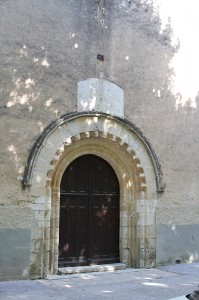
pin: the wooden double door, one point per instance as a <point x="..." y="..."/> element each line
<point x="89" y="213"/>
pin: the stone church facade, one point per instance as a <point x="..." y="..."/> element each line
<point x="94" y="78"/>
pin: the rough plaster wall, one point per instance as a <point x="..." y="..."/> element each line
<point x="140" y="63"/>
<point x="48" y="46"/>
<point x="15" y="233"/>
<point x="177" y="243"/>
<point x="40" y="67"/>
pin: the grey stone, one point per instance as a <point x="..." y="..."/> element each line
<point x="177" y="243"/>
<point x="14" y="253"/>
<point x="92" y="268"/>
<point x="100" y="95"/>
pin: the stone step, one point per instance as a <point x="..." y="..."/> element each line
<point x="93" y="268"/>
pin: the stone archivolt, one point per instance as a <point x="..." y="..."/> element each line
<point x="135" y="164"/>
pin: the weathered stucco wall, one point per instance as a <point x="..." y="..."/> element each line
<point x="47" y="47"/>
<point x="177" y="243"/>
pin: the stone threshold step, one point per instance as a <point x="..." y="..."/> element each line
<point x="93" y="268"/>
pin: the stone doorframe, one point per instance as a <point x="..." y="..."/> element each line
<point x="129" y="153"/>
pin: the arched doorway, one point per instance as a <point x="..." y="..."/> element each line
<point x="129" y="153"/>
<point x="89" y="213"/>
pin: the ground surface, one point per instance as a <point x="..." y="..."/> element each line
<point x="151" y="284"/>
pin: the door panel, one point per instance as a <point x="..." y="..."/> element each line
<point x="103" y="228"/>
<point x="73" y="230"/>
<point x="102" y="177"/>
<point x="75" y="178"/>
<point x="89" y="213"/>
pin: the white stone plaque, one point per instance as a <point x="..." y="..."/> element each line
<point x="96" y="94"/>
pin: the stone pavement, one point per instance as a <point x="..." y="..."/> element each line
<point x="151" y="284"/>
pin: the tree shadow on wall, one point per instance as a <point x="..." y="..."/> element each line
<point x="149" y="56"/>
<point x="141" y="55"/>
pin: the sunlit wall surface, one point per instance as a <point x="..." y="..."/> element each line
<point x="150" y="51"/>
<point x="182" y="17"/>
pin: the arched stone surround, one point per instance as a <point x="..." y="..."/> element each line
<point x="124" y="147"/>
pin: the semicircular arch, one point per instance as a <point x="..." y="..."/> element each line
<point x="129" y="153"/>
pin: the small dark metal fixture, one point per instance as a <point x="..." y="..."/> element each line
<point x="100" y="57"/>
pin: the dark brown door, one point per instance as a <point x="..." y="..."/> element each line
<point x="89" y="213"/>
